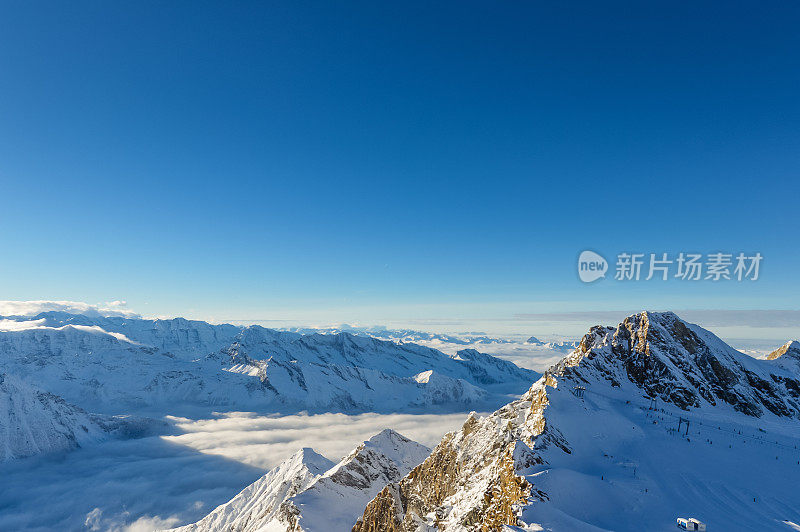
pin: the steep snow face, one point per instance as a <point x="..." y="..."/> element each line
<point x="438" y="389"/>
<point x="112" y="364"/>
<point x="34" y="422"/>
<point x="262" y="501"/>
<point x="307" y="492"/>
<point x="586" y="448"/>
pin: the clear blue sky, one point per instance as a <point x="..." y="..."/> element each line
<point x="361" y="161"/>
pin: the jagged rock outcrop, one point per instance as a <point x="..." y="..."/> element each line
<point x="682" y="364"/>
<point x="792" y="349"/>
<point x="473" y="478"/>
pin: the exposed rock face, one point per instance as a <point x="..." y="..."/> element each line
<point x="471" y="479"/>
<point x="482" y="477"/>
<point x="308" y="492"/>
<point x="681" y="364"/>
<point x="790" y="348"/>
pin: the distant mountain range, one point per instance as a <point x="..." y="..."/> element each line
<point x="118" y="365"/>
<point x="405" y="335"/>
<point x="473" y="339"/>
<point x="639" y="424"/>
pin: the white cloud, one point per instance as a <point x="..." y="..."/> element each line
<point x="15" y="326"/>
<point x="146" y="523"/>
<point x="264" y="441"/>
<point x="12" y="325"/>
<point x="32" y="308"/>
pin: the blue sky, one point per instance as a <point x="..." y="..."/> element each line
<point x="373" y="163"/>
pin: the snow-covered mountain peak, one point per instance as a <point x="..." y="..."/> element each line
<point x="402" y="452"/>
<point x="791" y="349"/>
<point x="299" y="495"/>
<point x="680" y="363"/>
<point x="585" y="448"/>
<point x="386" y="438"/>
<point x="309" y="459"/>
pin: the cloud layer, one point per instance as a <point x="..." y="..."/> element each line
<point x="154" y="482"/>
<point x="32" y="308"/>
<point x="263" y="441"/>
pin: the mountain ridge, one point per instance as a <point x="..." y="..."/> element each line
<point x="95" y="362"/>
<point x="585" y="447"/>
<point x="308" y="492"/>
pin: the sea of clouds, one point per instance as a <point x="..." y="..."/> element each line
<point x="165" y="481"/>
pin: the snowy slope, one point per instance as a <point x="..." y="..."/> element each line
<point x="34" y="422"/>
<point x="309" y="493"/>
<point x="123" y="363"/>
<point x="595" y="444"/>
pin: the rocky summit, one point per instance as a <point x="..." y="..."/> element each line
<point x="643" y="422"/>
